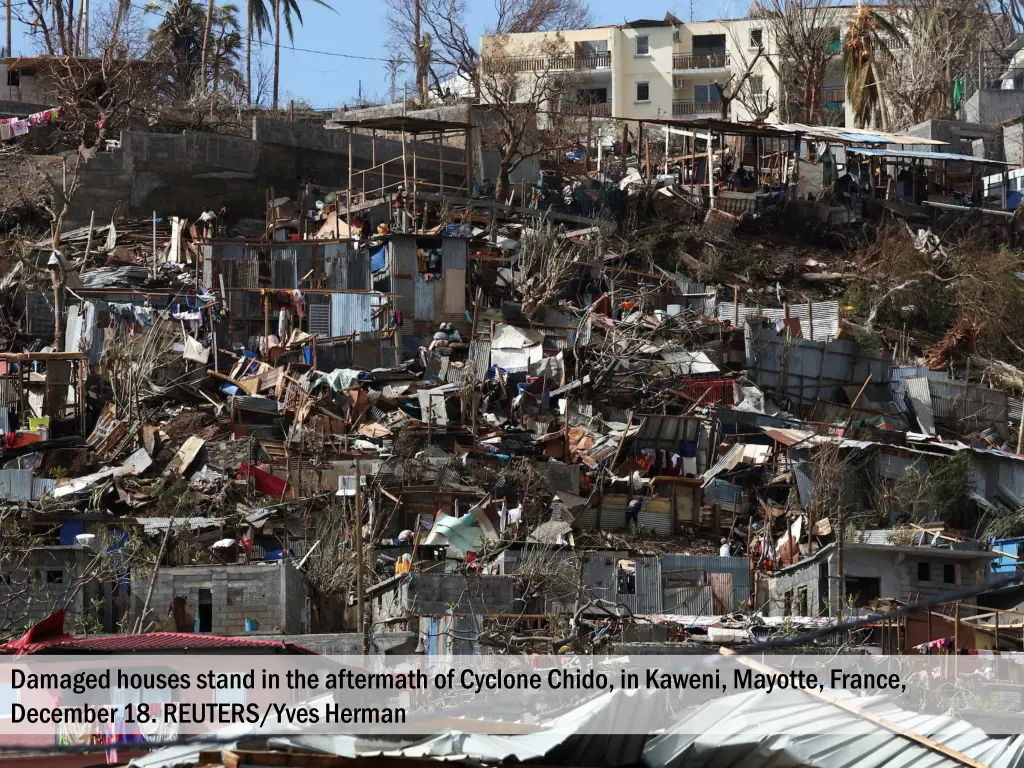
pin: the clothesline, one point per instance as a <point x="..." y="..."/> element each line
<point x="11" y="127"/>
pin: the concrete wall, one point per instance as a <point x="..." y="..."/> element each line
<point x="273" y="595"/>
<point x="655" y="69"/>
<point x="1013" y="144"/>
<point x="896" y="568"/>
<point x="991" y="106"/>
<point x="184" y="174"/>
<point x="960" y="136"/>
<point x="32" y="591"/>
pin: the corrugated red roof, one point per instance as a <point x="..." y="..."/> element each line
<point x="48" y="637"/>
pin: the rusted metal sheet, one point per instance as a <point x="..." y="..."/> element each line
<point x="454" y="253"/>
<point x="403" y="256"/>
<point x="454" y="283"/>
<point x="423" y="297"/>
<point x="824" y="317"/>
<point x="284" y="268"/>
<point x="721" y="587"/>
<point x="351" y="312"/>
<point x="737" y="568"/>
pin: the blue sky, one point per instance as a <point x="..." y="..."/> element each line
<point x="359" y="31"/>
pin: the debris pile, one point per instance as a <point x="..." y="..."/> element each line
<point x="548" y="397"/>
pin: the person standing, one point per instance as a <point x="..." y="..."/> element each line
<point x="724" y="550"/>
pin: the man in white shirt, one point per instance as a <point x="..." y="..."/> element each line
<point x="723" y="551"/>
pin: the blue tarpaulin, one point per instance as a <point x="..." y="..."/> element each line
<point x="378" y="260"/>
<point x="68" y="530"/>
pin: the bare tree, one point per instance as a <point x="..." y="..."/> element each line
<point x="450" y="49"/>
<point x="99" y="94"/>
<point x="805" y="33"/>
<point x="737" y="85"/>
<point x="530" y="112"/>
<point x="941" y="39"/>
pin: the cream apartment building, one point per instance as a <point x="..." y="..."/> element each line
<point x="658" y="68"/>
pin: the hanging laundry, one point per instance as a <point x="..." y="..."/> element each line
<point x="20" y="127"/>
<point x="6" y="132"/>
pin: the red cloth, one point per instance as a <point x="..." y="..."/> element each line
<point x="264" y="482"/>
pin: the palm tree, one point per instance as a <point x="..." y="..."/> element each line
<point x="285" y="10"/>
<point x="395" y="66"/>
<point x="257" y="19"/>
<point x="179" y="38"/>
<point x="865" y="53"/>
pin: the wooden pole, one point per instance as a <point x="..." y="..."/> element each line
<point x="622" y="440"/>
<point x="405" y="176"/>
<point x="440" y="156"/>
<point x="415" y="171"/>
<point x="736" y="305"/>
<point x="997" y="632"/>
<point x="469" y="162"/>
<point x="82" y="370"/>
<point x="360" y="564"/>
<point x="348" y="193"/>
<point x="1020" y="431"/>
<point x="810" y="319"/>
<point x="711" y="174"/>
<point x="647" y="152"/>
<point x="154" y="245"/>
<point x="956" y="629"/>
<point x="88" y="241"/>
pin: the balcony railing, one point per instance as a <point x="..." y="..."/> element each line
<point x="835" y="95"/>
<point x="601" y="109"/>
<point x="548" y="63"/>
<point x="700" y="60"/>
<point x="691" y="108"/>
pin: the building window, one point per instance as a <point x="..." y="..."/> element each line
<point x="756" y="38"/>
<point x="204" y="611"/>
<point x="643" y="92"/>
<point x="949" y="574"/>
<point x="680" y="82"/>
<point x="55" y="577"/>
<point x="13" y="78"/>
<point x="801" y="601"/>
<point x="675" y="36"/>
<point x="643" y="45"/>
<point x="863" y="591"/>
<point x="787" y="603"/>
<point x="626" y="575"/>
<point x="924" y="571"/>
<point x="705" y="93"/>
<point x="756" y="85"/>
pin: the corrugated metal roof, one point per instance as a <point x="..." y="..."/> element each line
<point x="454" y="253"/>
<point x="263" y="404"/>
<point x="351" y="312"/>
<point x="739" y="567"/>
<point x="743" y="729"/>
<point x="152" y="641"/>
<point x="810" y="370"/>
<point x="855" y="135"/>
<point x="423" y="299"/>
<point x="873" y="152"/>
<point x="824" y="317"/>
<point x="453" y="284"/>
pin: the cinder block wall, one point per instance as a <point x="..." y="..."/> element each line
<point x="273" y="595"/>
